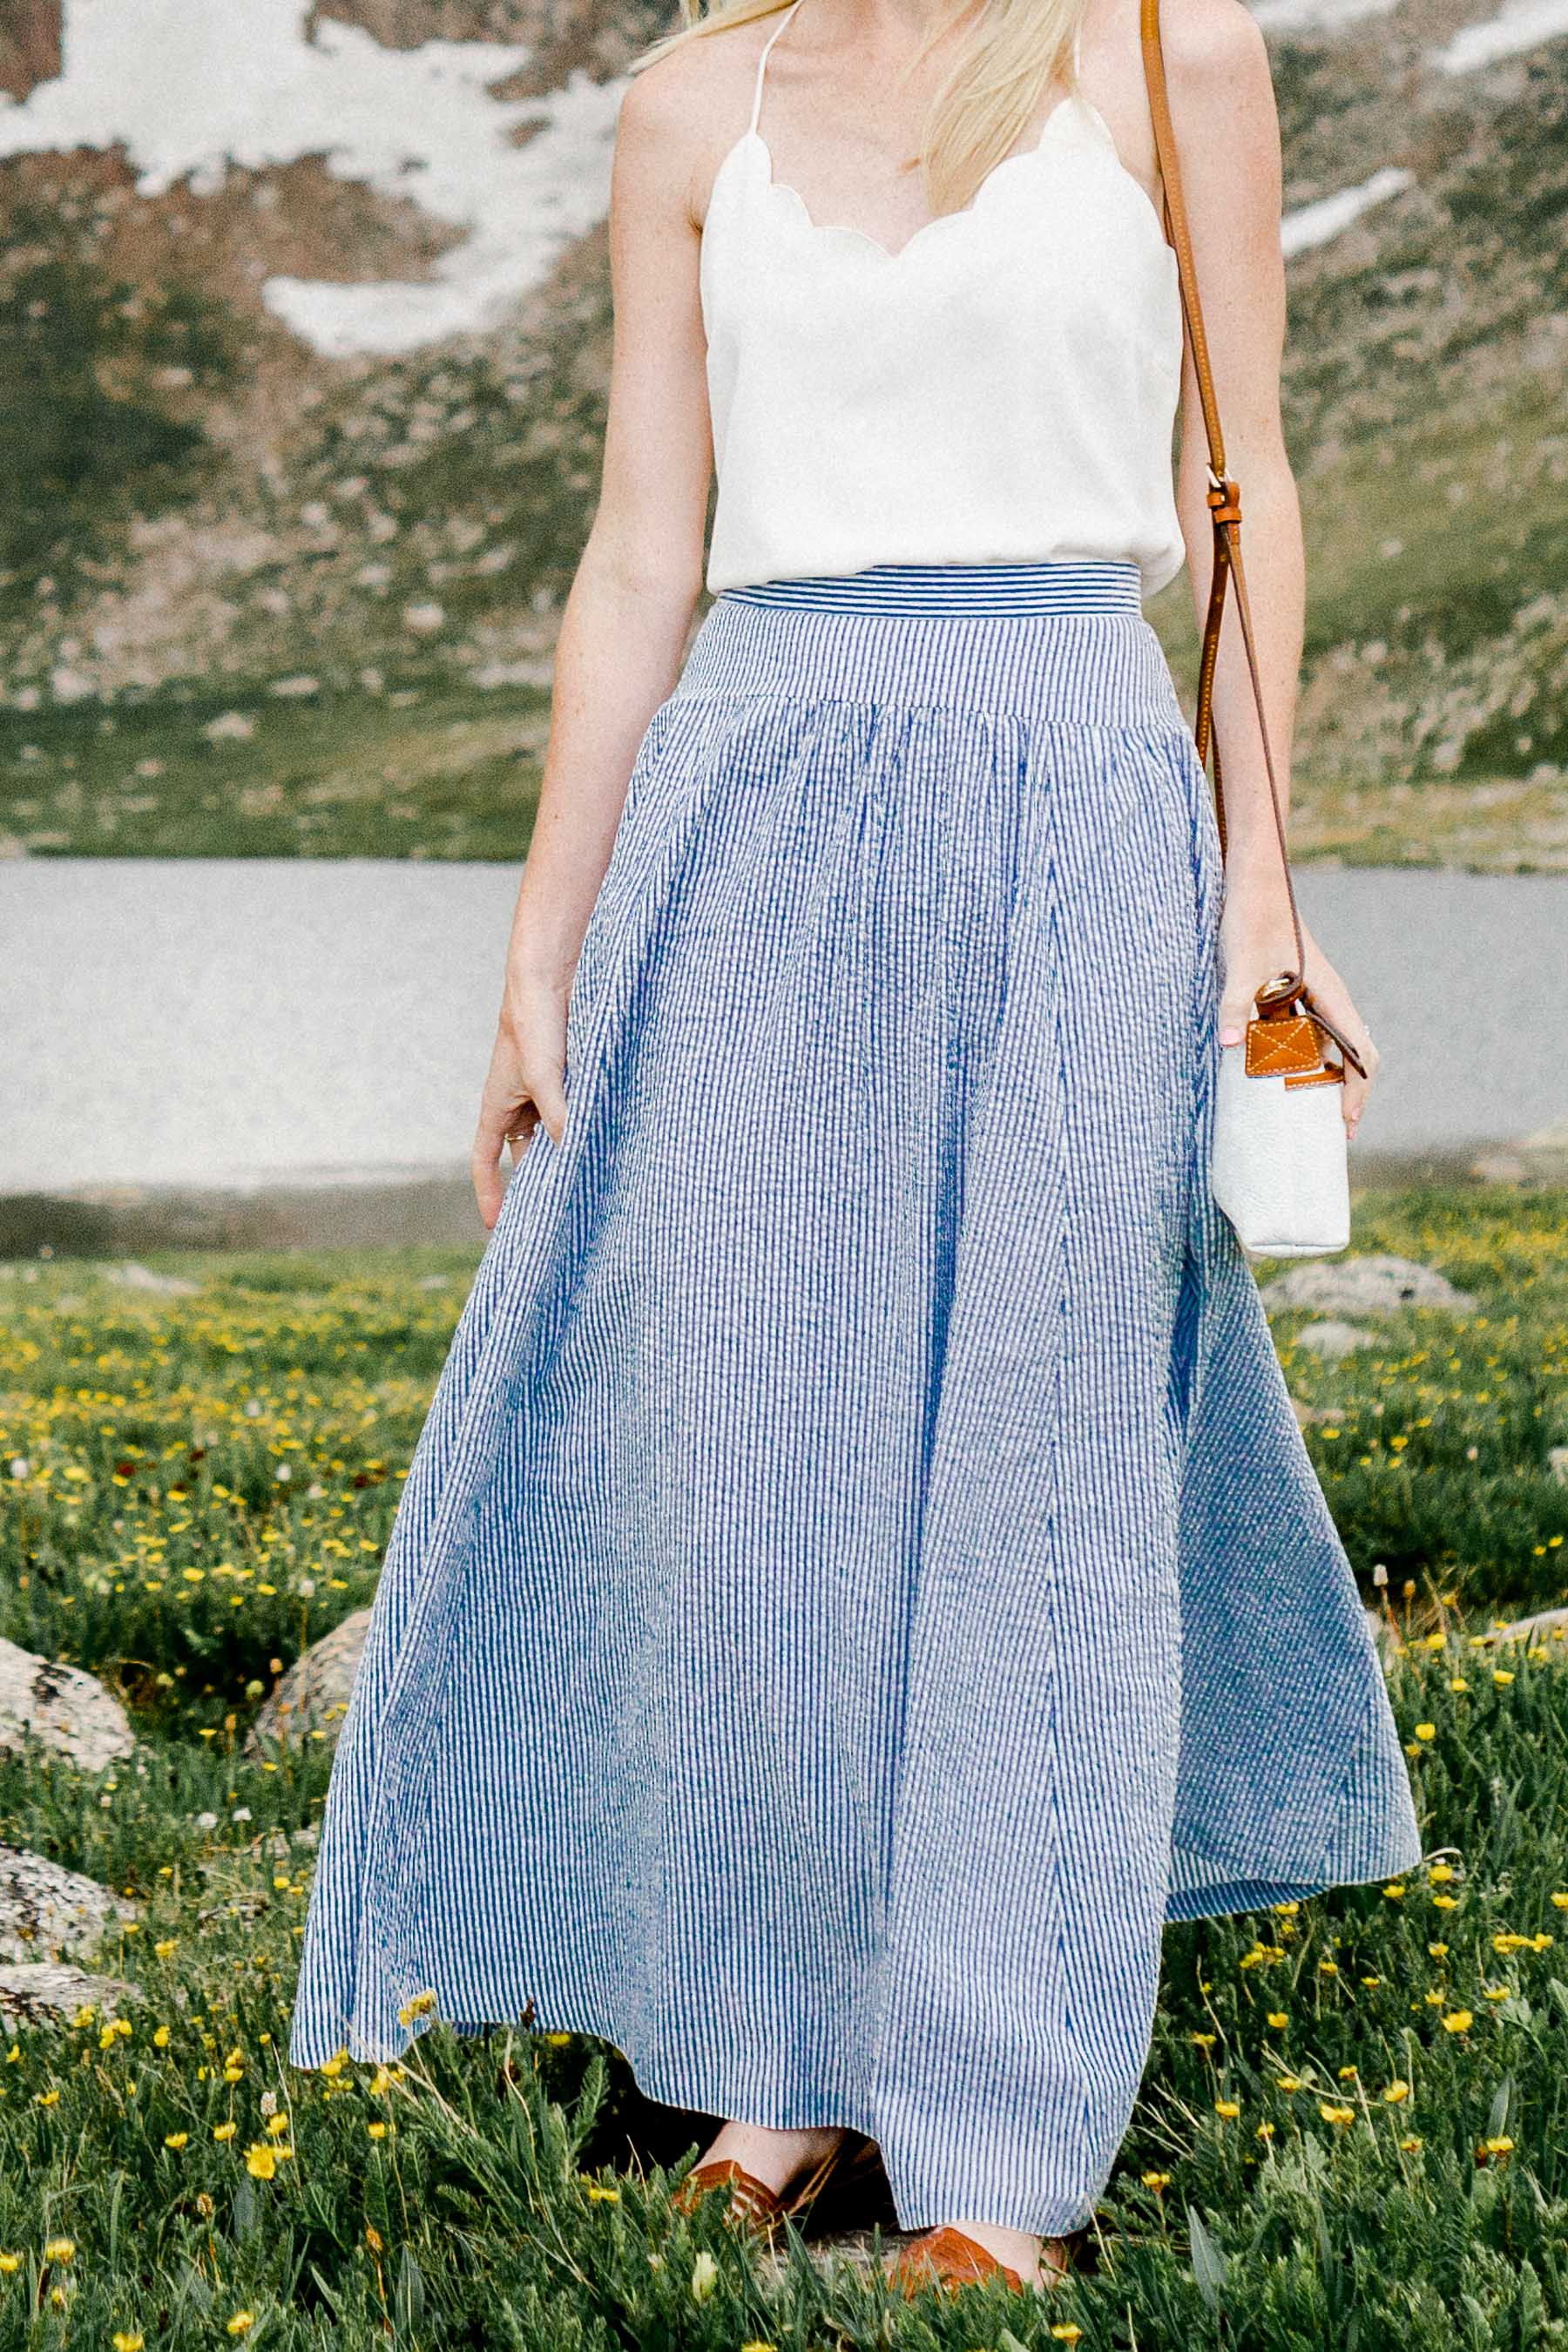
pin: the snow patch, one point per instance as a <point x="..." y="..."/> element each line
<point x="1311" y="224"/>
<point x="1519" y="25"/>
<point x="189" y="89"/>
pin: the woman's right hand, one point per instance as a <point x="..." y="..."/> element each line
<point x="524" y="1088"/>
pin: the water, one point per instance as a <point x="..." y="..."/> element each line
<point x="214" y="1022"/>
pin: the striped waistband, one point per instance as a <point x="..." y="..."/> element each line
<point x="962" y="588"/>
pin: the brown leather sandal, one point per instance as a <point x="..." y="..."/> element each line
<point x="754" y="2206"/>
<point x="947" y="2260"/>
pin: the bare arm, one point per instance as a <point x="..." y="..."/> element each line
<point x="627" y="618"/>
<point x="1222" y="99"/>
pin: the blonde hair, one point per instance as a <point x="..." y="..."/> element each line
<point x="1015" y="51"/>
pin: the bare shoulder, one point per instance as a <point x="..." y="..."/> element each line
<point x="1216" y="48"/>
<point x="682" y="114"/>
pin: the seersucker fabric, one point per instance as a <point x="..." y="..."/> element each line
<point x="861" y="1575"/>
<point x="1001" y="388"/>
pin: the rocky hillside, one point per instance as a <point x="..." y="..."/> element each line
<point x="303" y="339"/>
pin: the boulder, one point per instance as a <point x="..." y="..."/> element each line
<point x="48" y="1912"/>
<point x="131" y="1277"/>
<point x="1332" y="1340"/>
<point x="1366" y="1285"/>
<point x="61" y="1706"/>
<point x="45" y="1992"/>
<point x="1546" y="1625"/>
<point x="314" y="1691"/>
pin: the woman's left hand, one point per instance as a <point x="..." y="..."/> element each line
<point x="1252" y="953"/>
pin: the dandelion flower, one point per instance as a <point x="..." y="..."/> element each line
<point x="1395" y="2091"/>
<point x="177" y="2139"/>
<point x="259" y="2161"/>
<point x="1333" y="2113"/>
<point x="1279" y="2019"/>
<point x="1459" y="2020"/>
<point x="242" y="2323"/>
<point x="1228" y="2108"/>
<point x="224" y="2131"/>
<point x="59" y="2249"/>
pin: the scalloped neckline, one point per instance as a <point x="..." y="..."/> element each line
<point x="890" y="254"/>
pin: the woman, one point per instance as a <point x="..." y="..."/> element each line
<point x="861" y="1574"/>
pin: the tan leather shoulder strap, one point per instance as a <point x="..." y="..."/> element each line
<point x="1224" y="493"/>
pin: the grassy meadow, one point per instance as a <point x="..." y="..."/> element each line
<point x="1353" y="2131"/>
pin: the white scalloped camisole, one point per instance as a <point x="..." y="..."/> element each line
<point x="1001" y="389"/>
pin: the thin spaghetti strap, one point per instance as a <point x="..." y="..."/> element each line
<point x="762" y="64"/>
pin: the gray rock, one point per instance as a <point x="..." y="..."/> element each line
<point x="1332" y="1340"/>
<point x="1557" y="1463"/>
<point x="314" y="1691"/>
<point x="1549" y="1624"/>
<point x="40" y="1992"/>
<point x="1366" y="1285"/>
<point x="48" y="1912"/>
<point x="63" y="1707"/>
<point x="131" y="1277"/>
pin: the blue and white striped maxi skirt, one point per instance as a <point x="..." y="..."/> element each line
<point x="860" y="1575"/>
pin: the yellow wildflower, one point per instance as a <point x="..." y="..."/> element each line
<point x="1459" y="2020"/>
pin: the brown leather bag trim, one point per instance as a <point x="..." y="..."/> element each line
<point x="1223" y="498"/>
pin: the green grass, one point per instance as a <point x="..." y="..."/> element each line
<point x="430" y="768"/>
<point x="1353" y="2129"/>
